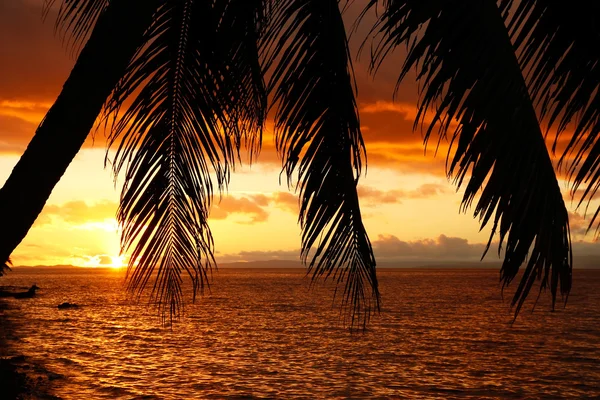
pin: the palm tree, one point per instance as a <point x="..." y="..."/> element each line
<point x="201" y="76"/>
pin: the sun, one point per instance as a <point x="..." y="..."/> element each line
<point x="117" y="262"/>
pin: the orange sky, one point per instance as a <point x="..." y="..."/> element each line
<point x="409" y="207"/>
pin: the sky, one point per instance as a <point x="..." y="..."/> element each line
<point x="410" y="208"/>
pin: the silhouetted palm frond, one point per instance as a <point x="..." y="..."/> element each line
<point x="469" y="73"/>
<point x="182" y="127"/>
<point x="318" y="134"/>
<point x="76" y="18"/>
<point x="559" y="45"/>
<point x="5" y="267"/>
<point x="242" y="23"/>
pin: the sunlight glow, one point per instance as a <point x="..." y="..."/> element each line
<point x="118" y="261"/>
<point x="104" y="261"/>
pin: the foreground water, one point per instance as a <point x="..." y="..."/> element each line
<point x="263" y="334"/>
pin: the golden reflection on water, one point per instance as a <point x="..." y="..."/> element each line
<point x="441" y="334"/>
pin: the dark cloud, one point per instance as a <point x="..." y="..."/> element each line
<point x="388" y="126"/>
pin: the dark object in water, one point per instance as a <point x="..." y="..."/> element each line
<point x="27" y="294"/>
<point x="67" y="305"/>
<point x="20" y="295"/>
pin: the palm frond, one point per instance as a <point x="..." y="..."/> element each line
<point x="180" y="129"/>
<point x="5" y="267"/>
<point x="242" y="23"/>
<point x="76" y="19"/>
<point x="318" y="135"/>
<point x="559" y="46"/>
<point x="469" y="73"/>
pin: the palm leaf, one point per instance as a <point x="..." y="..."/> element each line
<point x="76" y="18"/>
<point x="469" y="73"/>
<point x="559" y="46"/>
<point x="181" y="130"/>
<point x="318" y="135"/>
<point x="242" y="23"/>
<point x="5" y="267"/>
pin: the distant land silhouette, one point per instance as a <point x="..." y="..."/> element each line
<point x="582" y="262"/>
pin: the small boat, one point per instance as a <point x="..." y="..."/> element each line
<point x="24" y="295"/>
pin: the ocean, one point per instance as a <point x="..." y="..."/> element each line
<point x="265" y="333"/>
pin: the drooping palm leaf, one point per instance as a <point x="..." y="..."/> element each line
<point x="469" y="73"/>
<point x="318" y="135"/>
<point x="182" y="126"/>
<point x="559" y="44"/>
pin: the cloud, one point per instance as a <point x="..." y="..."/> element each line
<point x="574" y="198"/>
<point x="95" y="260"/>
<point x="254" y="206"/>
<point x="36" y="65"/>
<point x="83" y="251"/>
<point x="386" y="125"/>
<point x="86" y="215"/>
<point x="19" y="121"/>
<point x="251" y="206"/>
<point x="441" y="248"/>
<point x="444" y="248"/>
<point x="578" y="224"/>
<point x="428" y="190"/>
<point x="267" y="255"/>
<point x="286" y="201"/>
<point x="376" y="196"/>
<point x="78" y="212"/>
<point x="379" y="196"/>
<point x="15" y="133"/>
<point x="29" y="111"/>
<point x="34" y="62"/>
<point x="387" y="248"/>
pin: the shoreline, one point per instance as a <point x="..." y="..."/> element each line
<point x="20" y="379"/>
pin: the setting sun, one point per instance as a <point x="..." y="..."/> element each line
<point x="117" y="262"/>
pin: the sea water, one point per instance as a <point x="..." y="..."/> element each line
<point x="259" y="333"/>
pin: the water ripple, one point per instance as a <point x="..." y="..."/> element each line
<point x="441" y="335"/>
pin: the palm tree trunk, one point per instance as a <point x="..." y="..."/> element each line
<point x="102" y="62"/>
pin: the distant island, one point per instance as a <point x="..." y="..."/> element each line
<point x="581" y="262"/>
